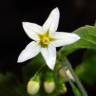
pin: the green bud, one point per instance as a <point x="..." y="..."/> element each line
<point x="33" y="85"/>
<point x="63" y="88"/>
<point x="49" y="86"/>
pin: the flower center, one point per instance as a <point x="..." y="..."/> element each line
<point x="45" y="39"/>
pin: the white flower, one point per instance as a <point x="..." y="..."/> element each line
<point x="46" y="39"/>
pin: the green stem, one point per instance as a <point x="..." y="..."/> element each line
<point x="72" y="85"/>
<point x="77" y="81"/>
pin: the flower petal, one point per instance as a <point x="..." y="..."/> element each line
<point x="51" y="23"/>
<point x="49" y="55"/>
<point x="63" y="38"/>
<point x="32" y="30"/>
<point x="31" y="50"/>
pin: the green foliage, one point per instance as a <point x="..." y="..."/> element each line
<point x="87" y="40"/>
<point x="87" y="69"/>
<point x="9" y="86"/>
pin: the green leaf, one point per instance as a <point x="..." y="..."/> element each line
<point x="87" y="70"/>
<point x="87" y="40"/>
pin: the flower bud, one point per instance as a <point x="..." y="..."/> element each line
<point x="49" y="86"/>
<point x="69" y="74"/>
<point x="66" y="74"/>
<point x="49" y="83"/>
<point x="33" y="85"/>
<point x="63" y="88"/>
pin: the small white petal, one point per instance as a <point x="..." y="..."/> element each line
<point x="32" y="30"/>
<point x="51" y="23"/>
<point x="49" y="55"/>
<point x="63" y="38"/>
<point x="31" y="50"/>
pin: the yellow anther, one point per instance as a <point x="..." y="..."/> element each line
<point x="45" y="39"/>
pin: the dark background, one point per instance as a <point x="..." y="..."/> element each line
<point x="73" y="13"/>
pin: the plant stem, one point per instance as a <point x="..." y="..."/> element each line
<point x="72" y="85"/>
<point x="77" y="81"/>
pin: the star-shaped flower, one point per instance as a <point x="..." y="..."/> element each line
<point x="46" y="39"/>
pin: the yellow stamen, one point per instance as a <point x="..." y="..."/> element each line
<point x="45" y="39"/>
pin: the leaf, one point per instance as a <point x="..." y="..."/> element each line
<point x="87" y="40"/>
<point x="87" y="70"/>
